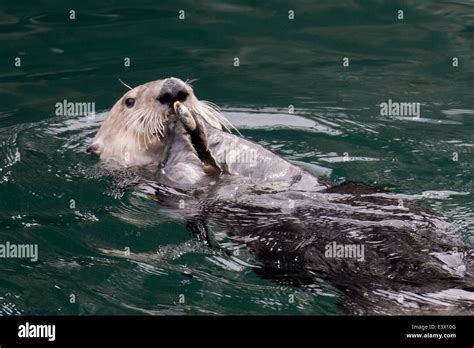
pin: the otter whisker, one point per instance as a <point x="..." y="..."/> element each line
<point x="143" y="129"/>
<point x="154" y="125"/>
<point x="190" y="82"/>
<point x="147" y="129"/>
<point x="137" y="126"/>
<point x="161" y="126"/>
<point x="133" y="120"/>
<point x="151" y="125"/>
<point x="216" y="112"/>
<point x="211" y="104"/>
<point x="123" y="83"/>
<point x="212" y="113"/>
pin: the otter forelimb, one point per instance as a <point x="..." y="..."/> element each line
<point x="198" y="137"/>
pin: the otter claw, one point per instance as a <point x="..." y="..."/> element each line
<point x="184" y="115"/>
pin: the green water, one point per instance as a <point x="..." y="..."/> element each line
<point x="54" y="195"/>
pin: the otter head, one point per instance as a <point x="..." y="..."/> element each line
<point x="134" y="131"/>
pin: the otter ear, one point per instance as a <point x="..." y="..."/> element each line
<point x="94" y="148"/>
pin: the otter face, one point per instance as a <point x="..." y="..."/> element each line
<point x="134" y="131"/>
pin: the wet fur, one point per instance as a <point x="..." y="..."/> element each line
<point x="410" y="252"/>
<point x="406" y="247"/>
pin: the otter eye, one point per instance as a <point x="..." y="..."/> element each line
<point x="130" y="102"/>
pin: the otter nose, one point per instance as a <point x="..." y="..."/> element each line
<point x="171" y="91"/>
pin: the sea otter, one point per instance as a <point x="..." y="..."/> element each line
<point x="300" y="228"/>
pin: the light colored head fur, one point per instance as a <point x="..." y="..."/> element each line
<point x="134" y="130"/>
